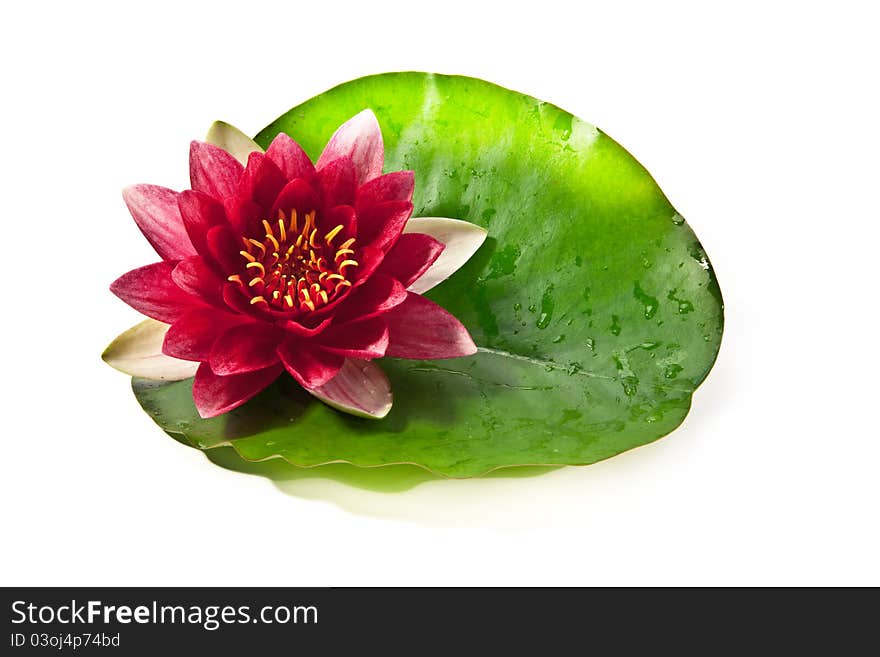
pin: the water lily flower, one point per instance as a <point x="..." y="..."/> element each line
<point x="273" y="264"/>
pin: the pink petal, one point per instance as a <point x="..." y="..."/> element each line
<point x="200" y="214"/>
<point x="379" y="294"/>
<point x="337" y="182"/>
<point x="155" y="212"/>
<point x="290" y="158"/>
<point x="410" y="257"/>
<point x="420" y="329"/>
<point x="215" y="395"/>
<point x="367" y="339"/>
<point x="360" y="388"/>
<point x="193" y="335"/>
<point x="380" y="225"/>
<point x="310" y="365"/>
<point x="193" y="275"/>
<point x="359" y="138"/>
<point x="245" y="348"/>
<point x="395" y="186"/>
<point x="213" y="171"/>
<point x="151" y="291"/>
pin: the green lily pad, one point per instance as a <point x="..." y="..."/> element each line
<point x="594" y="306"/>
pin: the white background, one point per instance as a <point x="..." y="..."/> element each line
<point x="759" y="121"/>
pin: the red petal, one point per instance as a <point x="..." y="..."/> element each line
<point x="379" y="294"/>
<point x="369" y="259"/>
<point x="200" y="214"/>
<point x="359" y="138"/>
<point x="310" y="365"/>
<point x="224" y="249"/>
<point x="296" y="195"/>
<point x="343" y="215"/>
<point x="213" y="171"/>
<point x="151" y="291"/>
<point x="155" y="212"/>
<point x="421" y="329"/>
<point x="337" y="182"/>
<point x="380" y="225"/>
<point x="396" y="186"/>
<point x="298" y="329"/>
<point x="245" y="348"/>
<point x="193" y="275"/>
<point x="245" y="214"/>
<point x="410" y="257"/>
<point x="215" y="394"/>
<point x="261" y="181"/>
<point x="368" y="339"/>
<point x="290" y="158"/>
<point x="192" y="336"/>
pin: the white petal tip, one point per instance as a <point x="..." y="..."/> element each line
<point x="462" y="240"/>
<point x="232" y="140"/>
<point x="138" y="352"/>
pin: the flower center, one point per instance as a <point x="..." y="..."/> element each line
<point x="294" y="266"/>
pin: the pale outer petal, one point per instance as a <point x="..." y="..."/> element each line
<point x="360" y="388"/>
<point x="359" y="138"/>
<point x="232" y="140"/>
<point x="462" y="239"/>
<point x="138" y="352"/>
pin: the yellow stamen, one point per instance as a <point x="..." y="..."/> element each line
<point x="255" y="280"/>
<point x="335" y="277"/>
<point x="235" y="278"/>
<point x="347" y="243"/>
<point x="257" y="265"/>
<point x="342" y="252"/>
<point x="268" y="228"/>
<point x="323" y="295"/>
<point x="281" y="229"/>
<point x="309" y="304"/>
<point x="257" y="300"/>
<point x="276" y="294"/>
<point x="341" y="284"/>
<point x="348" y="263"/>
<point x="275" y="243"/>
<point x="312" y="238"/>
<point x="333" y="233"/>
<point x="258" y="245"/>
<point x="288" y="300"/>
<point x="247" y="255"/>
<point x="293" y="226"/>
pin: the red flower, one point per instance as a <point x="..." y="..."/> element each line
<point x="285" y="265"/>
